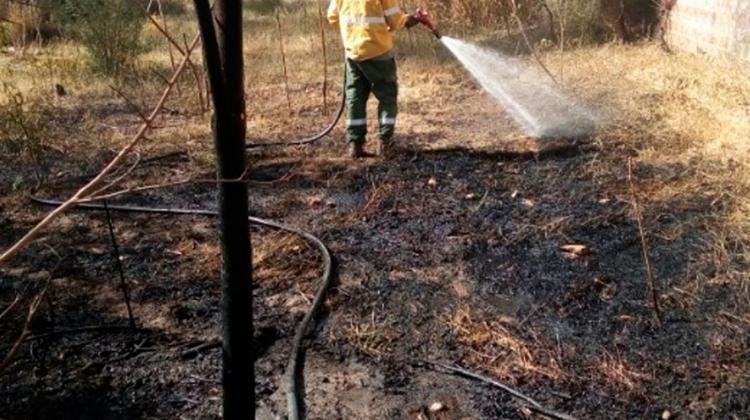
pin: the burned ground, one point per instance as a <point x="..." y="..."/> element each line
<point x="443" y="254"/>
<point x="450" y="252"/>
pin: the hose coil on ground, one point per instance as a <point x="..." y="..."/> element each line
<point x="294" y="373"/>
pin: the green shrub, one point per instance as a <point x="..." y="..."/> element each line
<point x="110" y="30"/>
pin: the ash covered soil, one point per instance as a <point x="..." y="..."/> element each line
<point x="450" y="252"/>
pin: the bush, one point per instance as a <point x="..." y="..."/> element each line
<point x="23" y="22"/>
<point x="263" y="7"/>
<point x="23" y="129"/>
<point x="585" y="21"/>
<point x="541" y="18"/>
<point x="109" y="29"/>
<point x="582" y="20"/>
<point x="168" y="7"/>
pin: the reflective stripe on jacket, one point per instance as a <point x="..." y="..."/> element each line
<point x="366" y="25"/>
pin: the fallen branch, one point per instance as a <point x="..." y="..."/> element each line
<point x="83" y="330"/>
<point x="136" y="108"/>
<point x="132" y="190"/>
<point x="94" y="183"/>
<point x="10" y="307"/>
<point x="119" y="179"/>
<point x="644" y="243"/>
<point x="533" y="404"/>
<point x="33" y="309"/>
<point x="152" y="187"/>
<point x="193" y="352"/>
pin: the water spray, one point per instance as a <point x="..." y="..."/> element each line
<point x="539" y="108"/>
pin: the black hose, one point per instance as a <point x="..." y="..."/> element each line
<point x="294" y="373"/>
<point x="326" y="131"/>
<point x="293" y="367"/>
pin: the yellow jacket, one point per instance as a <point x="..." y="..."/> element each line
<point x="366" y="25"/>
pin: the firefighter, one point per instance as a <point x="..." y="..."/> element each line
<point x="366" y="27"/>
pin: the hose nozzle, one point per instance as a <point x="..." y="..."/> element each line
<point x="423" y="17"/>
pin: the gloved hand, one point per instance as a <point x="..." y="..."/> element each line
<point x="423" y="17"/>
<point x="420" y="16"/>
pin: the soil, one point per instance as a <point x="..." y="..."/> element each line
<point x="449" y="252"/>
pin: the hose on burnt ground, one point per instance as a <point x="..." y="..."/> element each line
<point x="294" y="375"/>
<point x="326" y="131"/>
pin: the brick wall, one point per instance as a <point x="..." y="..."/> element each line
<point x="717" y="27"/>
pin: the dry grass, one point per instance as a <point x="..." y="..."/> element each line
<point x="280" y="260"/>
<point x="688" y="115"/>
<point x="686" y="119"/>
<point x="370" y="335"/>
<point x="684" y="113"/>
<point x="507" y="351"/>
<point x="619" y="375"/>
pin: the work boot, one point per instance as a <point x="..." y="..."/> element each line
<point x="385" y="149"/>
<point x="356" y="149"/>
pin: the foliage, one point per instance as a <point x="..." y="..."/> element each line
<point x="168" y="7"/>
<point x="24" y="21"/>
<point x="581" y="20"/>
<point x="584" y="21"/>
<point x="109" y="29"/>
<point x="23" y="128"/>
<point x="262" y="7"/>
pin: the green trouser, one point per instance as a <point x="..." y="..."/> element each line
<point x="378" y="77"/>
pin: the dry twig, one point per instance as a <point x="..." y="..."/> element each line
<point x="644" y="243"/>
<point x="169" y="44"/>
<point x="182" y="49"/>
<point x="10" y="307"/>
<point x="322" y="22"/>
<point x="33" y="309"/>
<point x="524" y="35"/>
<point x="283" y="60"/>
<point x="198" y="79"/>
<point x="119" y="179"/>
<point x="533" y="404"/>
<point x="132" y="104"/>
<point x="152" y="187"/>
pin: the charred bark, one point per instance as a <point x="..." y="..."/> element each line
<point x="222" y="46"/>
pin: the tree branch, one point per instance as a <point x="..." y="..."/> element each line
<point x="33" y="309"/>
<point x="94" y="183"/>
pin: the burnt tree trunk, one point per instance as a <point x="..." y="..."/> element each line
<point x="222" y="47"/>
